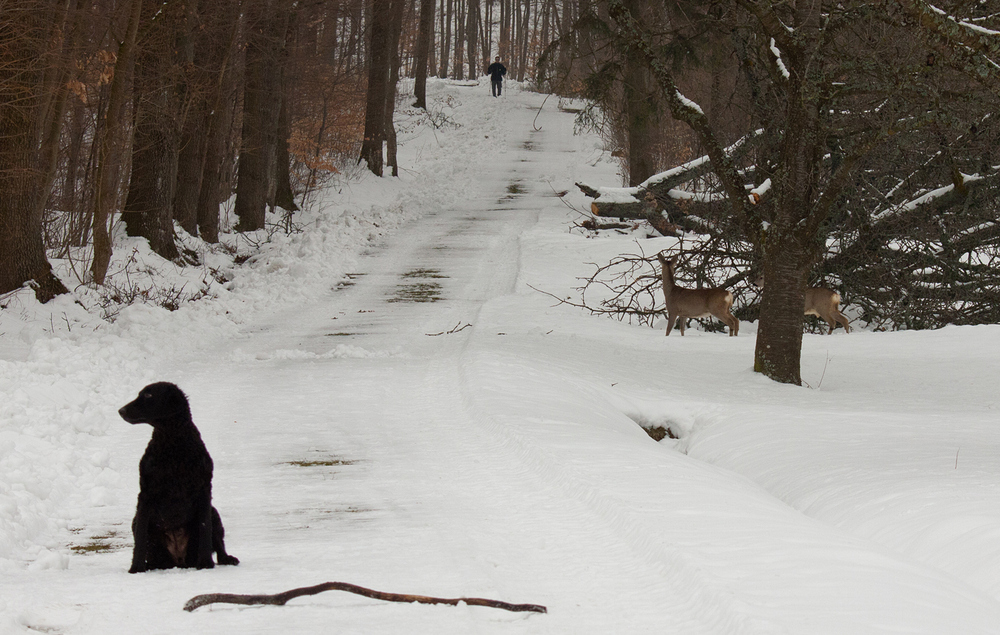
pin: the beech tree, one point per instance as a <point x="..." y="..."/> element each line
<point x="28" y="43"/>
<point x="148" y="210"/>
<point x="382" y="71"/>
<point x="425" y="37"/>
<point x="262" y="96"/>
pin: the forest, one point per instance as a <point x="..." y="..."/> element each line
<point x="846" y="144"/>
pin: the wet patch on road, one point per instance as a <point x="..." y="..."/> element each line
<point x="422" y="289"/>
<point x="424" y="273"/>
<point x="417" y="292"/>
<point x="107" y="542"/>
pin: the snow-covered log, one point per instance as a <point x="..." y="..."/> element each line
<point x="660" y="192"/>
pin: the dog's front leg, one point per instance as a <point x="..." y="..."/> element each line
<point x="203" y="557"/>
<point x="140" y="535"/>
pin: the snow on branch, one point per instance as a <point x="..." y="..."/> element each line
<point x="641" y="200"/>
<point x="688" y="103"/>
<point x="778" y="60"/>
<point x="941" y="195"/>
<point x="964" y="23"/>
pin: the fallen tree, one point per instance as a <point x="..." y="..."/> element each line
<point x="931" y="260"/>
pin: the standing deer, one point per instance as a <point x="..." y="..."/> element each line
<point x="823" y="303"/>
<point x="694" y="303"/>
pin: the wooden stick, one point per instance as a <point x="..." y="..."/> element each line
<point x="280" y="599"/>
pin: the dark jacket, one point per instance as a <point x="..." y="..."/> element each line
<point x="496" y="71"/>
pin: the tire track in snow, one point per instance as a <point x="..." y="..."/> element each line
<point x="687" y="599"/>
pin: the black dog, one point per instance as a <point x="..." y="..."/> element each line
<point x="175" y="524"/>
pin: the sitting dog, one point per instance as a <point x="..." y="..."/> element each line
<point x="175" y="524"/>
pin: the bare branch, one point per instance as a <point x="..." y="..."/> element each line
<point x="279" y="599"/>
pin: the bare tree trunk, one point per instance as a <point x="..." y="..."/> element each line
<point x="65" y="32"/>
<point x="472" y="32"/>
<point x="460" y="39"/>
<point x="148" y="210"/>
<point x="218" y="123"/>
<point x="22" y="250"/>
<point x="566" y="37"/>
<point x="191" y="157"/>
<point x="485" y="36"/>
<point x="779" y="331"/>
<point x="640" y="111"/>
<point x="505" y="24"/>
<point x="261" y="112"/>
<point x="522" y="61"/>
<point x="425" y="37"/>
<point x="283" y="196"/>
<point x="396" y="25"/>
<point x="540" y="71"/>
<point x="378" y="82"/>
<point x="432" y="62"/>
<point x="446" y="17"/>
<point x="111" y="147"/>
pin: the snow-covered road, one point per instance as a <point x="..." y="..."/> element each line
<point x="433" y="425"/>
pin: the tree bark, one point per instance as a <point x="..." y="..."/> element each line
<point x="378" y="82"/>
<point x="148" y="210"/>
<point x="22" y="250"/>
<point x="221" y="111"/>
<point x="640" y="111"/>
<point x="460" y="20"/>
<point x="425" y="34"/>
<point x="778" y="348"/>
<point x="472" y="33"/>
<point x="396" y="25"/>
<point x="283" y="195"/>
<point x="111" y="146"/>
<point x="446" y="17"/>
<point x="190" y="161"/>
<point x="261" y="113"/>
<point x="279" y="599"/>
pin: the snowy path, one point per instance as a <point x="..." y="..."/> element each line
<point x="357" y="439"/>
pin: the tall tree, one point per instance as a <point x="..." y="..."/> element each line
<point x="425" y="37"/>
<point x="255" y="187"/>
<point x="445" y="37"/>
<point x="111" y="143"/>
<point x="378" y="85"/>
<point x="472" y="32"/>
<point x="148" y="210"/>
<point x="23" y="38"/>
<point x="395" y="30"/>
<point x="218" y="57"/>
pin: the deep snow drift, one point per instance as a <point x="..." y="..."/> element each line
<point x="389" y="402"/>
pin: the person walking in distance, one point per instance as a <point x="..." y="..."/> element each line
<point x="496" y="71"/>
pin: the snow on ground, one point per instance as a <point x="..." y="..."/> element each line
<point x="389" y="402"/>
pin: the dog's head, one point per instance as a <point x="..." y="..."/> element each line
<point x="157" y="403"/>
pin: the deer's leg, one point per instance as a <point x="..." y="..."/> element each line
<point x="843" y="321"/>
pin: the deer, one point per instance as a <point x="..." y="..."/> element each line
<point x="823" y="303"/>
<point x="694" y="303"/>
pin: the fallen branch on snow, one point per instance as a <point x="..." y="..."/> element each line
<point x="279" y="599"/>
<point x="454" y="330"/>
